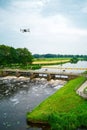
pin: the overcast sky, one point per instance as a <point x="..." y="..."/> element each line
<point x="56" y="26"/>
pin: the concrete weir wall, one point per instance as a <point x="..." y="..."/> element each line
<point x="15" y="73"/>
<point x="37" y="74"/>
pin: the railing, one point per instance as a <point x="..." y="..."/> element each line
<point x="64" y="68"/>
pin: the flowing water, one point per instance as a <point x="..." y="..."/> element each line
<point x="20" y="95"/>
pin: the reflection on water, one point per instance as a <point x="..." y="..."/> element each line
<point x="19" y="95"/>
<point x="79" y="64"/>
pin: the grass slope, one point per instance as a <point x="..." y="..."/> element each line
<point x="65" y="101"/>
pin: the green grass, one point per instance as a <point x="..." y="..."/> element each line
<point x="37" y="63"/>
<point x="62" y="106"/>
<point x="50" y="59"/>
<point x="47" y="61"/>
<point x="85" y="72"/>
<point x="21" y="66"/>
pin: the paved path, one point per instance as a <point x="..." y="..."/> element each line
<point x="64" y="68"/>
<point x="81" y="89"/>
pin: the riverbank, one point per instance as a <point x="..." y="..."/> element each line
<point x="82" y="91"/>
<point x="64" y="110"/>
<point x="19" y="95"/>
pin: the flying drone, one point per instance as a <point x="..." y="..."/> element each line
<point x="25" y="30"/>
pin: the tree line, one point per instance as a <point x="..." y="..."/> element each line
<point x="10" y="55"/>
<point x="59" y="56"/>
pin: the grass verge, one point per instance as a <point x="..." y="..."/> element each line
<point x="64" y="109"/>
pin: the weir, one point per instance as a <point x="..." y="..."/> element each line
<point x="40" y="74"/>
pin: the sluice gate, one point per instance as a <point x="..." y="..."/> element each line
<point x="39" y="74"/>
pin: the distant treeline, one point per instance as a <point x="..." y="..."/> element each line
<point x="59" y="56"/>
<point x="10" y="55"/>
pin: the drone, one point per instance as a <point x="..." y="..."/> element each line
<point x="25" y="30"/>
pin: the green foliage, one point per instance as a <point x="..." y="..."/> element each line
<point x="84" y="57"/>
<point x="64" y="110"/>
<point x="63" y="121"/>
<point x="29" y="66"/>
<point x="24" y="56"/>
<point x="85" y="72"/>
<point x="74" y="60"/>
<point x="10" y="55"/>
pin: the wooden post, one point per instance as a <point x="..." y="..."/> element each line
<point x="49" y="77"/>
<point x="17" y="73"/>
<point x="32" y="75"/>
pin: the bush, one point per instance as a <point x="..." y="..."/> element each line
<point x="63" y="121"/>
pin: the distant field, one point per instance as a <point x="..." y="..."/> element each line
<point x="50" y="60"/>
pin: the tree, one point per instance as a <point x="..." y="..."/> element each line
<point x="4" y="54"/>
<point x="74" y="60"/>
<point x="24" y="56"/>
<point x="10" y="55"/>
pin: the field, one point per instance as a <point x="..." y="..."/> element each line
<point x="50" y="60"/>
<point x="64" y="110"/>
<point x="36" y="64"/>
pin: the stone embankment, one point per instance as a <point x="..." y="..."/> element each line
<point x="80" y="91"/>
<point x="39" y="74"/>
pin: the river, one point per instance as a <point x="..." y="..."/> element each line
<point x="73" y="66"/>
<point x="20" y="95"/>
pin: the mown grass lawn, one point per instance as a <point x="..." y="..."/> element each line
<point x="62" y="105"/>
<point x="50" y="60"/>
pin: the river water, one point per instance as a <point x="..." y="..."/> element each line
<point x="59" y="68"/>
<point x="20" y="95"/>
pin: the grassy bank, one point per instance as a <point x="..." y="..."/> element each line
<point x="21" y="66"/>
<point x="64" y="110"/>
<point x="36" y="64"/>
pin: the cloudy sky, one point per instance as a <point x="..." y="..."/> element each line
<point x="56" y="26"/>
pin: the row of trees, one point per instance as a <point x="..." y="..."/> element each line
<point x="10" y="55"/>
<point x="59" y="56"/>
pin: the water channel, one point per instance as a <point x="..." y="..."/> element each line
<point x="59" y="68"/>
<point x="20" y="95"/>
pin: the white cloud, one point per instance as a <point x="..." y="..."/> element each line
<point x="34" y="5"/>
<point x="19" y="17"/>
<point x="55" y="33"/>
<point x="84" y="10"/>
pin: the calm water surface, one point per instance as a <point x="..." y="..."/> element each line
<point x="79" y="64"/>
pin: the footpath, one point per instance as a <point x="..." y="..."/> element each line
<point x="80" y="91"/>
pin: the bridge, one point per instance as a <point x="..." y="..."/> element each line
<point x="41" y="74"/>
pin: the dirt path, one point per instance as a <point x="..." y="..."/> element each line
<point x="81" y="89"/>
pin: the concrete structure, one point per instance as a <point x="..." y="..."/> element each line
<point x="41" y="74"/>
